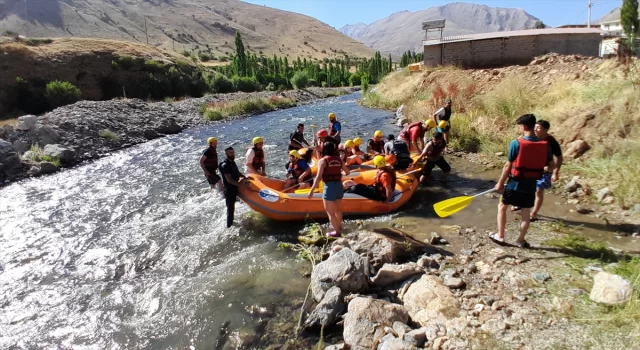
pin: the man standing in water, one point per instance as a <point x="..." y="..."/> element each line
<point x="232" y="179"/>
<point x="209" y="164"/>
<point x="296" y="139"/>
<point x="335" y="128"/>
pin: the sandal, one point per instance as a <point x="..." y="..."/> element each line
<point x="533" y="219"/>
<point x="333" y="234"/>
<point x="523" y="244"/>
<point x="494" y="237"/>
<point x="515" y="208"/>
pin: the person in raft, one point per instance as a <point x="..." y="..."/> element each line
<point x="444" y="115"/>
<point x="298" y="172"/>
<point x="353" y="158"/>
<point x="375" y="145"/>
<point x="330" y="168"/>
<point x="232" y="179"/>
<point x="356" y="149"/>
<point x="526" y="161"/>
<point x="209" y="164"/>
<point x="383" y="185"/>
<point x="254" y="159"/>
<point x="335" y="128"/>
<point x="433" y="152"/>
<point x="296" y="139"/>
<point x="322" y="136"/>
<point x="413" y="134"/>
<point x="398" y="154"/>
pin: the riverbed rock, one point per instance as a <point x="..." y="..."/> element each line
<point x="393" y="273"/>
<point x="391" y="343"/>
<point x="327" y="311"/>
<point x="603" y="193"/>
<point x="26" y="122"/>
<point x="572" y="185"/>
<point x="454" y="282"/>
<point x="366" y="319"/>
<point x="345" y="269"/>
<point x="168" y="126"/>
<point x="610" y="289"/>
<point x="66" y="155"/>
<point x="576" y="148"/>
<point x="47" y="168"/>
<point x="416" y="337"/>
<point x="10" y="165"/>
<point x="45" y="135"/>
<point x="429" y="300"/>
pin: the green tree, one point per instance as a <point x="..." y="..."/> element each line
<point x="540" y="25"/>
<point x="241" y="63"/>
<point x="629" y="19"/>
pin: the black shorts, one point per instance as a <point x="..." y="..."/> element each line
<point x="519" y="199"/>
<point x="369" y="192"/>
<point x="441" y="163"/>
<point x="213" y="179"/>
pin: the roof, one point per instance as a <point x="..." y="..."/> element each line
<point x="508" y="34"/>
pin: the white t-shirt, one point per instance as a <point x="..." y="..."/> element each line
<point x="440" y="113"/>
<point x="388" y="147"/>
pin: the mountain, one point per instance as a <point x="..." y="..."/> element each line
<point x="402" y="31"/>
<point x="208" y="25"/>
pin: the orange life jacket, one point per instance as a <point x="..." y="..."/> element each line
<point x="531" y="160"/>
<point x="333" y="171"/>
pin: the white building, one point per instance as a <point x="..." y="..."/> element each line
<point x="613" y="34"/>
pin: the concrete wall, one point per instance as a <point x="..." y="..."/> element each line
<point x="508" y="51"/>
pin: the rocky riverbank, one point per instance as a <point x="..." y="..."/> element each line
<point x="91" y="129"/>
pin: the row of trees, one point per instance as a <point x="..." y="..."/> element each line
<point x="410" y="57"/>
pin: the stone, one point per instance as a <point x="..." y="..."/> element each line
<point x="603" y="193"/>
<point x="392" y="273"/>
<point x="47" y="168"/>
<point x="439" y="342"/>
<point x="402" y="121"/>
<point x="384" y="246"/>
<point x="366" y="319"/>
<point x="46" y="135"/>
<point x="393" y="344"/>
<point x="583" y="210"/>
<point x="428" y="299"/>
<point x="21" y="146"/>
<point x="416" y="337"/>
<point x="327" y="311"/>
<point x="608" y="200"/>
<point x="335" y="347"/>
<point x="345" y="269"/>
<point x="243" y="338"/>
<point x="426" y="262"/>
<point x="400" y="329"/>
<point x="636" y="208"/>
<point x="573" y="201"/>
<point x="168" y="126"/>
<point x="151" y="134"/>
<point x="26" y="122"/>
<point x="576" y="149"/>
<point x="541" y="276"/>
<point x="9" y="160"/>
<point x="65" y="155"/>
<point x="610" y="289"/>
<point x="572" y="185"/>
<point x="499" y="154"/>
<point x="454" y="282"/>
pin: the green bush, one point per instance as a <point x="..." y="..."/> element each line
<point x="221" y="84"/>
<point x="124" y="62"/>
<point x="212" y="115"/>
<point x="61" y="93"/>
<point x="152" y="66"/>
<point x="300" y="80"/>
<point x="355" y="79"/>
<point x="246" y="84"/>
<point x="365" y="83"/>
<point x="186" y="53"/>
<point x="108" y="134"/>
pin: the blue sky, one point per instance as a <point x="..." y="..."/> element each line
<point x="337" y="13"/>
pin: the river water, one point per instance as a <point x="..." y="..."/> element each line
<point x="131" y="251"/>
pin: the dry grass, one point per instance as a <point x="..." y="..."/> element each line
<point x="12" y="121"/>
<point x="219" y="110"/>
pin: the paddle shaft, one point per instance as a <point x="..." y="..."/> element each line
<point x="485" y="192"/>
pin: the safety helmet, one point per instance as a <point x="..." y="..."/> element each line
<point x="322" y="133"/>
<point x="357" y="141"/>
<point x="332" y="116"/>
<point x="379" y="161"/>
<point x="378" y="133"/>
<point x="443" y="124"/>
<point x="295" y="154"/>
<point x="212" y="139"/>
<point x="430" y="124"/>
<point x="349" y="144"/>
<point x="257" y="140"/>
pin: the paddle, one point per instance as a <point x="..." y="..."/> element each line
<point x="454" y="205"/>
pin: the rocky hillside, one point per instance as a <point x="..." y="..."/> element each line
<point x="181" y="25"/>
<point x="402" y="31"/>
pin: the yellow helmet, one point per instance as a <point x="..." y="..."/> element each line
<point x="257" y="140"/>
<point x="332" y="116"/>
<point x="357" y="141"/>
<point x="212" y="139"/>
<point x="379" y="161"/>
<point x="349" y="144"/>
<point x="378" y="133"/>
<point x="295" y="154"/>
<point x="443" y="124"/>
<point x="430" y="124"/>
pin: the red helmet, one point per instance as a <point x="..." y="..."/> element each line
<point x="323" y="133"/>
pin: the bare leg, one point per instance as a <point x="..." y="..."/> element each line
<point x="524" y="225"/>
<point x="502" y="218"/>
<point x="538" y="205"/>
<point x="330" y="207"/>
<point x="338" y="214"/>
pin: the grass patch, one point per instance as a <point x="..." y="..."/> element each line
<point x="37" y="42"/>
<point x="108" y="134"/>
<point x="581" y="247"/>
<point x="36" y="154"/>
<point x="220" y="110"/>
<point x="153" y="66"/>
<point x="336" y="93"/>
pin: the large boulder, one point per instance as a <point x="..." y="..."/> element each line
<point x="46" y="135"/>
<point x="168" y="126"/>
<point x="392" y="273"/>
<point x="366" y="319"/>
<point x="610" y="289"/>
<point x="9" y="161"/>
<point x="327" y="311"/>
<point x="26" y="122"/>
<point x="65" y="155"/>
<point x="576" y="148"/>
<point x="345" y="269"/>
<point x="428" y="300"/>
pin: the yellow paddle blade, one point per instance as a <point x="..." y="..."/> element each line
<point x="452" y="205"/>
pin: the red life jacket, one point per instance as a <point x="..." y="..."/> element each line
<point x="404" y="134"/>
<point x="377" y="146"/>
<point x="211" y="162"/>
<point x="332" y="128"/>
<point x="333" y="170"/>
<point x="378" y="184"/>
<point x="295" y="170"/>
<point x="531" y="160"/>
<point x="258" y="159"/>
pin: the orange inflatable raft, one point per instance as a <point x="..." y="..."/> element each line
<point x="265" y="195"/>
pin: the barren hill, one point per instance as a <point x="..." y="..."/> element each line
<point x="402" y="31"/>
<point x="208" y="25"/>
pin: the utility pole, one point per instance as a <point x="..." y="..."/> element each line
<point x="145" y="30"/>
<point x="589" y="8"/>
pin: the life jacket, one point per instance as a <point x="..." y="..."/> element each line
<point x="377" y="146"/>
<point x="404" y="134"/>
<point x="403" y="158"/>
<point x="332" y="128"/>
<point x="333" y="171"/>
<point x="211" y="162"/>
<point x="447" y="114"/>
<point x="258" y="158"/>
<point x="437" y="150"/>
<point x="531" y="160"/>
<point x="378" y="184"/>
<point x="295" y="170"/>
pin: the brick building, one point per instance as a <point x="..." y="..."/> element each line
<point x="512" y="47"/>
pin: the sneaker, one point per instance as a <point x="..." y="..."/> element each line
<point x="494" y="237"/>
<point x="333" y="234"/>
<point x="523" y="244"/>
